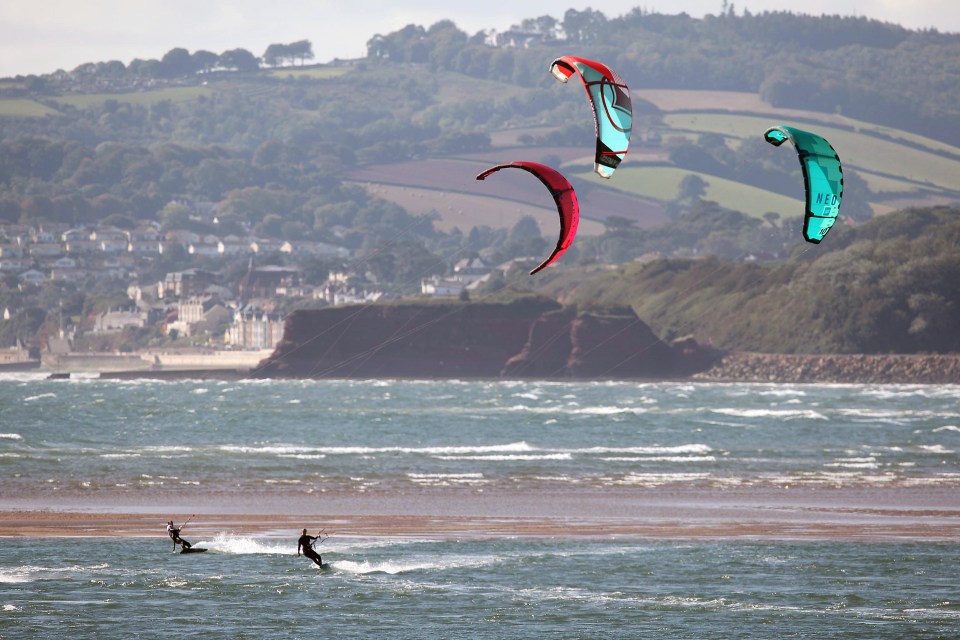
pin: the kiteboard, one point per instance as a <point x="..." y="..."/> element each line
<point x="192" y="550"/>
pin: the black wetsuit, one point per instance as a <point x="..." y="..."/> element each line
<point x="306" y="543"/>
<point x="174" y="534"/>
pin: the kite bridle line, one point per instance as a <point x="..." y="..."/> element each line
<point x="321" y="537"/>
<point x="359" y="358"/>
<point x="372" y="350"/>
<point x="351" y="265"/>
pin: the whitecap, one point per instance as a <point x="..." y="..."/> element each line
<point x="771" y="413"/>
<point x="934" y="448"/>
<point x="652" y="450"/>
<point x="782" y="392"/>
<point x="512" y="457"/>
<point x="11" y="436"/>
<point x="13" y="576"/>
<point x="397" y="566"/>
<point x="446" y="479"/>
<point x="948" y="427"/>
<point x="658" y="479"/>
<point x="40" y="397"/>
<point x="244" y="545"/>
<point x="291" y="450"/>
<point x="662" y="459"/>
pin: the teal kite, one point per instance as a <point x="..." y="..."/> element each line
<point x="822" y="174"/>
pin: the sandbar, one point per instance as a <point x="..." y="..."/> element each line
<point x="862" y="514"/>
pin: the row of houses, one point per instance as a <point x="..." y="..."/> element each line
<point x="239" y="327"/>
<point x="19" y="241"/>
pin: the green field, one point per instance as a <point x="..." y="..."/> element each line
<point x="856" y="150"/>
<point x="466" y="210"/>
<point x="144" y="98"/>
<point x="663" y="183"/>
<point x="885" y="184"/>
<point x="675" y="100"/>
<point x="315" y="73"/>
<point x="23" y="108"/>
<point x="454" y="87"/>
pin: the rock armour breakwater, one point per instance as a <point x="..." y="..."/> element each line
<point x="839" y="368"/>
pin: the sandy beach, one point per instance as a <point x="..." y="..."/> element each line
<point x="867" y="514"/>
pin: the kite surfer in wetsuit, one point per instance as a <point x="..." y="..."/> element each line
<point x="174" y="532"/>
<point x="305" y="542"/>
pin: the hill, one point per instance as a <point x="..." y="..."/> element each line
<point x="376" y="158"/>
<point x="889" y="286"/>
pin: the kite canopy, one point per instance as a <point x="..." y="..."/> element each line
<point x="822" y="174"/>
<point x="612" y="109"/>
<point x="563" y="194"/>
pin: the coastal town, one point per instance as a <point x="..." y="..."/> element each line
<point x="227" y="312"/>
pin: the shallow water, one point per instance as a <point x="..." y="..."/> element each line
<point x="248" y="587"/>
<point x="129" y="439"/>
<point x="312" y="436"/>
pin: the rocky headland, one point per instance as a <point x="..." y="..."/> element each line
<point x="526" y="338"/>
<point x="538" y="338"/>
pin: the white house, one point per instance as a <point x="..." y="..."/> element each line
<point x="437" y="286"/>
<point x="308" y="248"/>
<point x="113" y="321"/>
<point x="233" y="246"/>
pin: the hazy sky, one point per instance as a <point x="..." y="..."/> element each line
<point x="41" y="36"/>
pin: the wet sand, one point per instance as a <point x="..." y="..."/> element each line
<point x="863" y="514"/>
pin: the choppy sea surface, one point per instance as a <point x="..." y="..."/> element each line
<point x="132" y="438"/>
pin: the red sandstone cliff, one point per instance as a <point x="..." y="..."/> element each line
<point x="524" y="338"/>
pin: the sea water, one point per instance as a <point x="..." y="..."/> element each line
<point x="132" y="439"/>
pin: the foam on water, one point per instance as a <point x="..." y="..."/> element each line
<point x="787" y="414"/>
<point x="509" y="457"/>
<point x="245" y="545"/>
<point x="394" y="567"/>
<point x="42" y="396"/>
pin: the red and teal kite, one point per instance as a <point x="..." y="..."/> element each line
<point x="612" y="108"/>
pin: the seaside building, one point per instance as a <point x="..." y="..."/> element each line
<point x="254" y="328"/>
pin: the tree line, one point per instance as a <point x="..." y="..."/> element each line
<point x="177" y="63"/>
<point x="860" y="67"/>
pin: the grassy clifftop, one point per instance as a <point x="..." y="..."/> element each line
<point x="889" y="286"/>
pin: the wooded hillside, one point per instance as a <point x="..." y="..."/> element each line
<point x="378" y="156"/>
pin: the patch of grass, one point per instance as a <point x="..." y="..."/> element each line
<point x="465" y="211"/>
<point x="315" y="73"/>
<point x="457" y="87"/>
<point x="671" y="100"/>
<point x="23" y="108"/>
<point x="663" y="182"/>
<point x="855" y="149"/>
<point x="886" y="184"/>
<point x="144" y="98"/>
